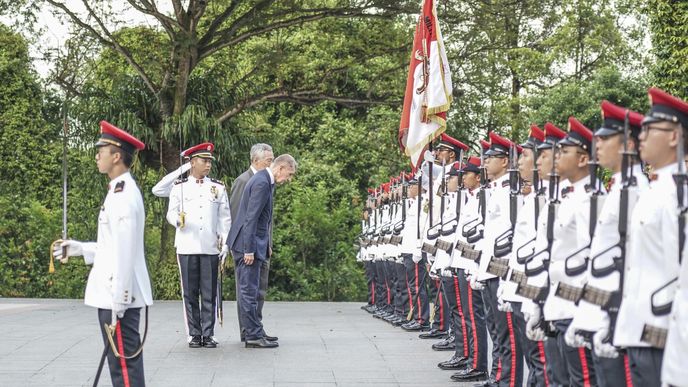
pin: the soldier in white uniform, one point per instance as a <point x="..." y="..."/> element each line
<point x="475" y="368"/>
<point x="589" y="317"/>
<point x="118" y="284"/>
<point x="674" y="370"/>
<point x="536" y="327"/>
<point x="571" y="234"/>
<point x="413" y="261"/>
<point x="523" y="238"/>
<point x="496" y="222"/>
<point x="199" y="209"/>
<point x="652" y="260"/>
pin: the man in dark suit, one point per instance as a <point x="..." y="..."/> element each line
<point x="261" y="158"/>
<point x="249" y="242"/>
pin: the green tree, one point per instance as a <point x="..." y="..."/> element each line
<point x="669" y="31"/>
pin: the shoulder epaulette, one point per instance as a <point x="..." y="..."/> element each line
<point x="119" y="187"/>
<point x="505" y="183"/>
<point x="179" y="181"/>
<point x="217" y="181"/>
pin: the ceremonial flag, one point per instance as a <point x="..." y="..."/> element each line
<point x="428" y="87"/>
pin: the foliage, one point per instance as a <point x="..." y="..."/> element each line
<point x="669" y="28"/>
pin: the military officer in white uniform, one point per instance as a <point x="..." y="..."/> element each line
<point x="589" y="318"/>
<point x="199" y="209"/>
<point x="652" y="259"/>
<point x="118" y="284"/>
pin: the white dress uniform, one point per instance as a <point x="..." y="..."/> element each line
<point x="674" y="370"/>
<point x="119" y="273"/>
<point x="524" y="237"/>
<point x="163" y="188"/>
<point x="587" y="316"/>
<point x="496" y="222"/>
<point x="409" y="242"/>
<point x="442" y="259"/>
<point x="571" y="233"/>
<point x="207" y="215"/>
<point x="469" y="213"/>
<point x="653" y="259"/>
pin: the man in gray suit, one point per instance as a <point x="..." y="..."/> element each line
<point x="261" y="158"/>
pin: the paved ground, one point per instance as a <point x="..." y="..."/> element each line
<point x="57" y="343"/>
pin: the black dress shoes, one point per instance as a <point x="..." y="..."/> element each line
<point x="261" y="343"/>
<point x="195" y="342"/>
<point x="455" y="363"/>
<point x="208" y="342"/>
<point x="413" y="326"/>
<point x="470" y="375"/>
<point x="399" y="322"/>
<point x="447" y="344"/>
<point x="270" y="338"/>
<point x="434" y="333"/>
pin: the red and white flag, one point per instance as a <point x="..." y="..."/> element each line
<point x="428" y="87"/>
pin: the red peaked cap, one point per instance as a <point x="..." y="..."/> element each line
<point x="473" y="165"/>
<point x="499" y="146"/>
<point x="112" y="135"/>
<point x="385" y="187"/>
<point x="536" y="137"/>
<point x="204" y="151"/>
<point x="552" y="136"/>
<point x="614" y="117"/>
<point x="666" y="107"/>
<point x="579" y="135"/>
<point x="447" y="141"/>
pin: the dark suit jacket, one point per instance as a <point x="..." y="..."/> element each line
<point x="238" y="189"/>
<point x="250" y="231"/>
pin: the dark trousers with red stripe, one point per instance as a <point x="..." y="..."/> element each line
<point x="391" y="274"/>
<point x="124" y="372"/>
<point x="646" y="366"/>
<point x="505" y="342"/>
<point x="440" y="320"/>
<point x="556" y="369"/>
<point x="612" y="372"/>
<point x="415" y="275"/>
<point x="533" y="351"/>
<point x="401" y="298"/>
<point x="456" y="319"/>
<point x="578" y="360"/>
<point x="370" y="280"/>
<point x="381" y="290"/>
<point x="474" y="308"/>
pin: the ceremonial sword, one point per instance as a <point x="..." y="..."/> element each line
<point x="51" y="268"/>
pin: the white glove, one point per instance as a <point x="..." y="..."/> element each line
<point x="574" y="340"/>
<point x="535" y="333"/>
<point x="118" y="311"/>
<point x="74" y="249"/>
<point x="475" y="284"/>
<point x="602" y="348"/>
<point x="504" y="306"/>
<point x="223" y="255"/>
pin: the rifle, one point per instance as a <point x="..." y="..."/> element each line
<point x="571" y="267"/>
<point x="534" y="293"/>
<point x="435" y="230"/>
<point x="611" y="301"/>
<point x="504" y="242"/>
<point x="681" y="180"/>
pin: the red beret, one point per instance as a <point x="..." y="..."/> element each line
<point x="112" y="135"/>
<point x="204" y="151"/>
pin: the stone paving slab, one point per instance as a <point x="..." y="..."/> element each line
<point x="57" y="343"/>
